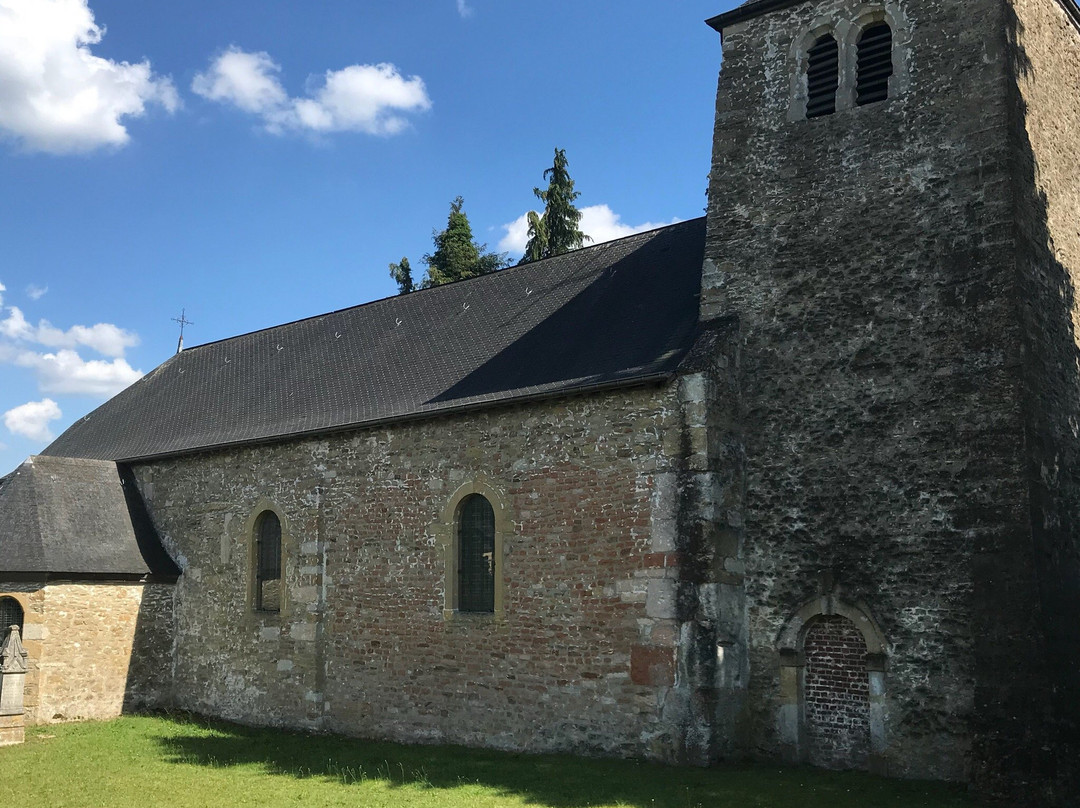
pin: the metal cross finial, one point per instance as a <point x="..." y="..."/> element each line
<point x="183" y="321"/>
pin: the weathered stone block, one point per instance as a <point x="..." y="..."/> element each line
<point x="652" y="665"/>
<point x="661" y="601"/>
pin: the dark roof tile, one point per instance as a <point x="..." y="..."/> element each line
<point x="615" y="313"/>
<point x="61" y="515"/>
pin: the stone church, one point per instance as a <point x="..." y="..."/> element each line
<point x="799" y="480"/>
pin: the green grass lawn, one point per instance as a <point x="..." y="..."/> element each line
<point x="152" y="761"/>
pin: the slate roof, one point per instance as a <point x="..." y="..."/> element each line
<point x="60" y="515"/>
<point x="612" y="314"/>
<point x="755" y="8"/>
<point x="748" y="10"/>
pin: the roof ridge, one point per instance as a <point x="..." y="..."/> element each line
<point x="603" y="244"/>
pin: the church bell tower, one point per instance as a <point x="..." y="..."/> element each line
<point x="892" y="221"/>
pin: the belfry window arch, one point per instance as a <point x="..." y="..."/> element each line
<point x="874" y="63"/>
<point x="842" y="62"/>
<point x="822" y="76"/>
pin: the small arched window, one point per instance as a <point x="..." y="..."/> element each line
<point x="476" y="555"/>
<point x="268" y="562"/>
<point x="822" y="77"/>
<point x="874" y="64"/>
<point x="11" y="614"/>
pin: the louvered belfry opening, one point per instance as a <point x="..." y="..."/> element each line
<point x="11" y="614"/>
<point x="268" y="563"/>
<point x="874" y="64"/>
<point x="822" y="77"/>
<point x="476" y="560"/>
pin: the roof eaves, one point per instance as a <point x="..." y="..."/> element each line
<point x="756" y="8"/>
<point x="438" y="412"/>
<point x="748" y="11"/>
<point x="48" y="576"/>
<point x="1073" y="10"/>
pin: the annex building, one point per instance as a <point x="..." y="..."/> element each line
<point x="799" y="480"/>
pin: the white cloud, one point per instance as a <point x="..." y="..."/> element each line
<point x="55" y="95"/>
<point x="517" y="235"/>
<point x="2" y="290"/>
<point x="464" y="9"/>
<point x="359" y="98"/>
<point x="245" y="80"/>
<point x="64" y="370"/>
<point x="36" y="292"/>
<point x="32" y="419"/>
<point x="105" y="338"/>
<point x="67" y="372"/>
<point x="599" y="222"/>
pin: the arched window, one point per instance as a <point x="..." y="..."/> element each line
<point x="476" y="555"/>
<point x="268" y="562"/>
<point x="874" y="64"/>
<point x="11" y="614"/>
<point x="822" y="77"/>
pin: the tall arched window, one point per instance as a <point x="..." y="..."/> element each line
<point x="822" y="77"/>
<point x="476" y="555"/>
<point x="268" y="562"/>
<point x="11" y="614"/>
<point x="874" y="64"/>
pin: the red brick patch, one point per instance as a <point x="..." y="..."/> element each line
<point x="652" y="665"/>
<point x="836" y="694"/>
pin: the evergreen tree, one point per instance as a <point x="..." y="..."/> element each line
<point x="556" y="230"/>
<point x="402" y="275"/>
<point x="456" y="255"/>
<point x="534" y="250"/>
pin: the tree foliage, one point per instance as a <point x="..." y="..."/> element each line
<point x="556" y="230"/>
<point x="538" y="239"/>
<point x="402" y="275"/>
<point x="456" y="255"/>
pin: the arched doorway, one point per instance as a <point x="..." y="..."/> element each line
<point x="836" y="694"/>
<point x="832" y="687"/>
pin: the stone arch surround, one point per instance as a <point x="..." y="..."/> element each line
<point x="841" y="625"/>
<point x="836" y="694"/>
<point x="445" y="532"/>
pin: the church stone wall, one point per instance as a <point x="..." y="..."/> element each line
<point x="1038" y="732"/>
<point x="94" y="649"/>
<point x="869" y="257"/>
<point x="585" y="652"/>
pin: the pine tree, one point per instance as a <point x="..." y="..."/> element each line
<point x="534" y="250"/>
<point x="556" y="230"/>
<point x="456" y="255"/>
<point x="402" y="275"/>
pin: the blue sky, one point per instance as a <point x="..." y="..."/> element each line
<point x="258" y="162"/>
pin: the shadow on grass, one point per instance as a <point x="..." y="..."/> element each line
<point x="554" y="780"/>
